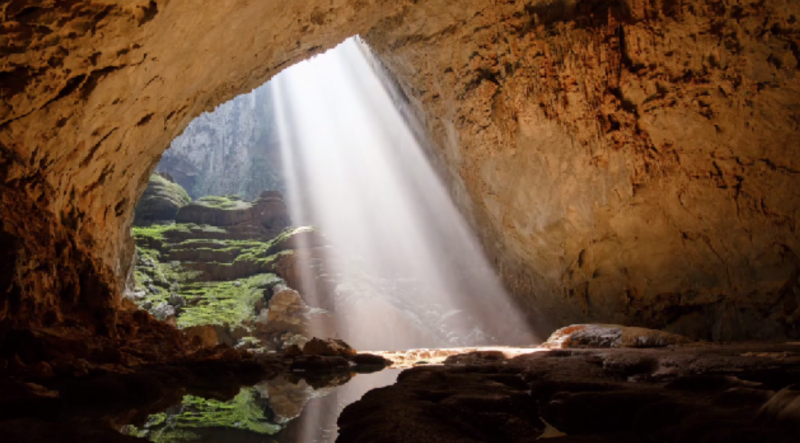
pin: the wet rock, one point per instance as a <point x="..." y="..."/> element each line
<point x="698" y="393"/>
<point x="292" y="351"/>
<point x="328" y="347"/>
<point x="317" y="363"/>
<point x="783" y="407"/>
<point x="365" y="359"/>
<point x="611" y="336"/>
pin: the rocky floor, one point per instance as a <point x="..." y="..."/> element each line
<point x="699" y="392"/>
<point x="690" y="393"/>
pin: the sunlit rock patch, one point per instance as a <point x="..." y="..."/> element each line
<point x="438" y="356"/>
<point x="611" y="336"/>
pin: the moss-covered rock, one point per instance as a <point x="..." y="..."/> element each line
<point x="197" y="417"/>
<point x="264" y="217"/>
<point x="161" y="201"/>
<point x="212" y="276"/>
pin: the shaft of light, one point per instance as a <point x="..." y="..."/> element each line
<point x="355" y="170"/>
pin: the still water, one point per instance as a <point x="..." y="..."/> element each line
<point x="284" y="409"/>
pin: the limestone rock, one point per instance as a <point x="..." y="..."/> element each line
<point x="289" y="319"/>
<point x="161" y="201"/>
<point x="328" y="347"/>
<point x="163" y="311"/>
<point x="206" y="335"/>
<point x="611" y="336"/>
<point x="267" y="215"/>
<point x="366" y="359"/>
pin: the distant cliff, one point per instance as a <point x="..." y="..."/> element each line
<point x="232" y="150"/>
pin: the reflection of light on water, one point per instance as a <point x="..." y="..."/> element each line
<point x="549" y="431"/>
<point x="437" y="356"/>
<point x="356" y="171"/>
<point x="317" y="423"/>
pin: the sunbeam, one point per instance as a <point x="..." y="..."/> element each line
<point x="411" y="273"/>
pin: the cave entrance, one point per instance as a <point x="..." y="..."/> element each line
<point x="308" y="207"/>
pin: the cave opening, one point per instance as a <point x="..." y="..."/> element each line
<point x="307" y="209"/>
<point x="369" y="237"/>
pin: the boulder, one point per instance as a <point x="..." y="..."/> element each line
<point x="161" y="201"/>
<point x="370" y="360"/>
<point x="328" y="347"/>
<point x="611" y="336"/>
<point x="206" y="335"/>
<point x="318" y="363"/>
<point x="163" y="311"/>
<point x="215" y="211"/>
<point x="176" y="301"/>
<point x="264" y="217"/>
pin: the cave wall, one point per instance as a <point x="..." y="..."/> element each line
<point x="628" y="161"/>
<point x="625" y="161"/>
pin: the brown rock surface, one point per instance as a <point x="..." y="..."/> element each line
<point x="328" y="347"/>
<point x="625" y="161"/>
<point x="628" y="161"/>
<point x="687" y="394"/>
<point x="611" y="336"/>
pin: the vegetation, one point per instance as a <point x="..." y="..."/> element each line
<point x="246" y="412"/>
<point x="223" y="303"/>
<point x="170" y="190"/>
<point x="227" y="202"/>
<point x="204" y="272"/>
<point x="161" y="201"/>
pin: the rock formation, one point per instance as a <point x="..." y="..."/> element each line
<point x="233" y="150"/>
<point x="623" y="161"/>
<point x="160" y="201"/>
<point x="683" y="394"/>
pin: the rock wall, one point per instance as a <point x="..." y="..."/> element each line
<point x="232" y="150"/>
<point x="623" y="161"/>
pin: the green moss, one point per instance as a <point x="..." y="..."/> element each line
<point x="222" y="303"/>
<point x="244" y="412"/>
<point x="227" y="202"/>
<point x="169" y="189"/>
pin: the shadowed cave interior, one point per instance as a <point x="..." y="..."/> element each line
<point x="474" y="221"/>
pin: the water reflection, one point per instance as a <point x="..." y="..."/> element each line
<point x="285" y="409"/>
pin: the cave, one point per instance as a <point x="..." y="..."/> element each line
<point x="628" y="167"/>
